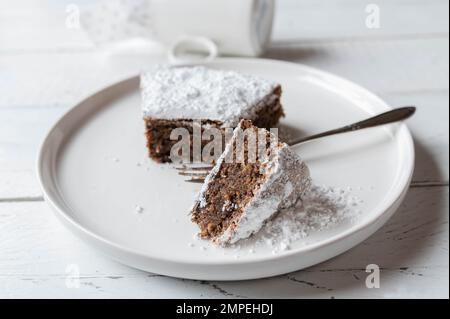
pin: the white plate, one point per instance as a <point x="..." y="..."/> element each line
<point x="89" y="170"/>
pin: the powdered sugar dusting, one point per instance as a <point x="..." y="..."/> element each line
<point x="321" y="208"/>
<point x="203" y="93"/>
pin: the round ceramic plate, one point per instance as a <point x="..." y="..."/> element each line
<point x="94" y="171"/>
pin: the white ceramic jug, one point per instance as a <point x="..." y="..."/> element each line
<point x="236" y="27"/>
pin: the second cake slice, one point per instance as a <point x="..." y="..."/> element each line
<point x="174" y="97"/>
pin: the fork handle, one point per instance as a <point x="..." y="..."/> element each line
<point x="392" y="116"/>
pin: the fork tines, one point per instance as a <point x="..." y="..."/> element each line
<point x="197" y="173"/>
<point x="193" y="174"/>
<point x="195" y="180"/>
<point x="193" y="168"/>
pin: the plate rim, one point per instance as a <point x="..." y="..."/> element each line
<point x="380" y="210"/>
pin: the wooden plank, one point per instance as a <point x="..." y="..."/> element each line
<point x="37" y="254"/>
<point x="62" y="79"/>
<point x="410" y="283"/>
<point x="324" y="21"/>
<point x="431" y="144"/>
<point x="387" y="66"/>
<point x="21" y="132"/>
<point x="36" y="26"/>
<point x="381" y="66"/>
<point x="30" y="26"/>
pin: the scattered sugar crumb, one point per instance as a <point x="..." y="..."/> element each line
<point x="191" y="245"/>
<point x="202" y="247"/>
<point x="111" y="158"/>
<point x="139" y="209"/>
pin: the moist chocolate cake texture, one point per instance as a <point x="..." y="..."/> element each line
<point x="239" y="196"/>
<point x="175" y="97"/>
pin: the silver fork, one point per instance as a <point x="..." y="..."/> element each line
<point x="197" y="174"/>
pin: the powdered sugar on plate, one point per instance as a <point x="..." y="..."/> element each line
<point x="322" y="208"/>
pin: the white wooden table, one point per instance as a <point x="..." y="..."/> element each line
<point x="46" y="67"/>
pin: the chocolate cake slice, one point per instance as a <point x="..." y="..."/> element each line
<point x="239" y="196"/>
<point x="174" y="97"/>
